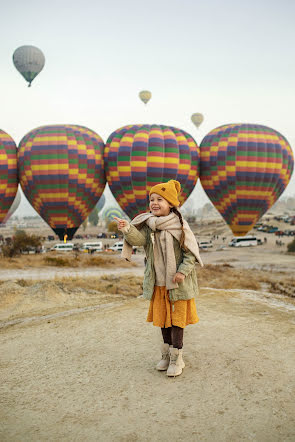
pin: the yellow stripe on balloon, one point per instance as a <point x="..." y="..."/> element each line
<point x="49" y="167"/>
<point x="137" y="164"/>
<point x="184" y="166"/>
<point x="261" y="164"/>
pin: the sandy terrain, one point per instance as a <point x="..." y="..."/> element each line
<point x="82" y="368"/>
<point x="91" y="376"/>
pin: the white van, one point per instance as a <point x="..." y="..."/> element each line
<point x="243" y="241"/>
<point x="205" y="244"/>
<point x="63" y="247"/>
<point x="94" y="246"/>
<point x="117" y="247"/>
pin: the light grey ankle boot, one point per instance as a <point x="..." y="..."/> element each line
<point x="164" y="362"/>
<point x="176" y="362"/>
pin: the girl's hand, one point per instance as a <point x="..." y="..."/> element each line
<point x="121" y="223"/>
<point x="178" y="277"/>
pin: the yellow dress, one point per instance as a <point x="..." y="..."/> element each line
<point x="164" y="313"/>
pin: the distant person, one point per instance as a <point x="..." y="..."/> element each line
<point x="265" y="240"/>
<point x="170" y="279"/>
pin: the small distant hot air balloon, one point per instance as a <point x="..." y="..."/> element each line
<point x="8" y="174"/>
<point x="111" y="212"/>
<point x="140" y="156"/>
<point x="145" y="96"/>
<point x="244" y="170"/>
<point x="197" y="119"/>
<point x="62" y="174"/>
<point x="29" y="61"/>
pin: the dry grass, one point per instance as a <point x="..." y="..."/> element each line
<point x="106" y="260"/>
<point x="217" y="276"/>
<point x="227" y="277"/>
<point x="127" y="284"/>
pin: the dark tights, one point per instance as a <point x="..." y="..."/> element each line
<point x="173" y="336"/>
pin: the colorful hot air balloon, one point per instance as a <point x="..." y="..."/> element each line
<point x="109" y="213"/>
<point x="13" y="207"/>
<point x="145" y="96"/>
<point x="139" y="156"/>
<point x="197" y="119"/>
<point x="29" y="61"/>
<point x="8" y="176"/>
<point x="244" y="170"/>
<point x="62" y="174"/>
<point x="101" y="202"/>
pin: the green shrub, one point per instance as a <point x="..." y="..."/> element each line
<point x="291" y="246"/>
<point x="21" y="242"/>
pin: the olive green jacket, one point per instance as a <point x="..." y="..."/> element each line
<point x="185" y="263"/>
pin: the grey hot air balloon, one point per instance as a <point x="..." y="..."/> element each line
<point x="197" y="119"/>
<point x="29" y="61"/>
<point x="145" y="96"/>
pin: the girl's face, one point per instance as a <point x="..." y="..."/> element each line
<point x="159" y="206"/>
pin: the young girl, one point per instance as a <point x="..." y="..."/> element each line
<point x="170" y="279"/>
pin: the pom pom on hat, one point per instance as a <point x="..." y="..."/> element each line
<point x="169" y="191"/>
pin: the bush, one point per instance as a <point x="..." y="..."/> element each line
<point x="291" y="246"/>
<point x="113" y="227"/>
<point x="21" y="242"/>
<point x="58" y="262"/>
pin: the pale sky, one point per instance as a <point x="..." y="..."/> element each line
<point x="233" y="61"/>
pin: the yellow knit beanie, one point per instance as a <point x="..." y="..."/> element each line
<point x="169" y="191"/>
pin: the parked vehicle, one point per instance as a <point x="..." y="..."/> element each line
<point x="102" y="235"/>
<point x="205" y="244"/>
<point x="289" y="232"/>
<point x="63" y="247"/>
<point x="279" y="233"/>
<point x="272" y="229"/>
<point x="243" y="241"/>
<point x="92" y="246"/>
<point x="117" y="247"/>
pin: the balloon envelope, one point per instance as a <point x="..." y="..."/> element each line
<point x="197" y="119"/>
<point x="8" y="176"/>
<point x="244" y="170"/>
<point x="145" y="96"/>
<point x="29" y="61"/>
<point x="14" y="206"/>
<point x="140" y="156"/>
<point x="62" y="175"/>
<point x="101" y="202"/>
<point x="109" y="213"/>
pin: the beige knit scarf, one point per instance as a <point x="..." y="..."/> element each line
<point x="166" y="228"/>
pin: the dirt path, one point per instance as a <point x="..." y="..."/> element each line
<point x="91" y="376"/>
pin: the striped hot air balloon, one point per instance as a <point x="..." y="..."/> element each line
<point x="109" y="213"/>
<point x="62" y="174"/>
<point x="140" y="156"/>
<point x="244" y="170"/>
<point x="8" y="176"/>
